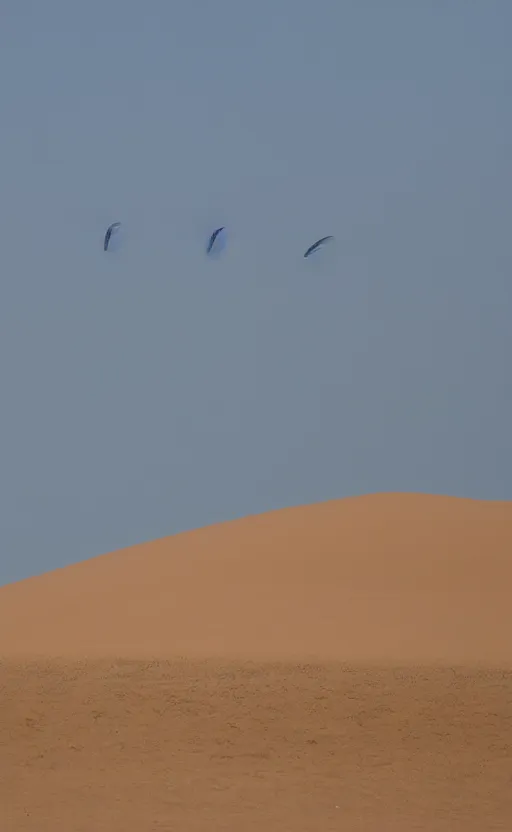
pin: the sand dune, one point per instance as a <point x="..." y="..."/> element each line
<point x="392" y="578"/>
<point x="337" y="666"/>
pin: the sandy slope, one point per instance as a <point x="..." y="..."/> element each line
<point x="259" y="725"/>
<point x="385" y="577"/>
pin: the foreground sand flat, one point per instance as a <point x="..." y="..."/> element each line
<point x="346" y="665"/>
<point x="196" y="746"/>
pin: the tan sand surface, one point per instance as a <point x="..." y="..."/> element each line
<point x="346" y="665"/>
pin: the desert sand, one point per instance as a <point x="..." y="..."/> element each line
<point x="346" y="665"/>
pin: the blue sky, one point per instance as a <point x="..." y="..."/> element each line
<point x="150" y="390"/>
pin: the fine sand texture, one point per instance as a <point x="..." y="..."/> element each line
<point x="340" y="666"/>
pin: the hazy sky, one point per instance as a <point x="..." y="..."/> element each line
<point x="149" y="390"/>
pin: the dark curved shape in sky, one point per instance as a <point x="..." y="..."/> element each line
<point x="213" y="237"/>
<point x="317" y="245"/>
<point x="109" y="232"/>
